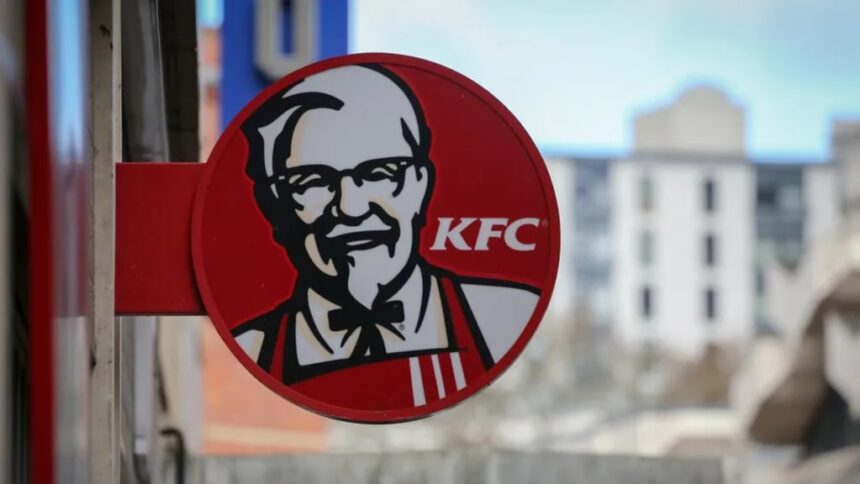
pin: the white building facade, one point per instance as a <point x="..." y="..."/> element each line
<point x="561" y="174"/>
<point x="683" y="229"/>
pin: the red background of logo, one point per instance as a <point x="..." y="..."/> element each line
<point x="486" y="166"/>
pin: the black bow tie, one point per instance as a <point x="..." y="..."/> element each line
<point x="368" y="321"/>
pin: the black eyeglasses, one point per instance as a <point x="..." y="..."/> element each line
<point x="299" y="179"/>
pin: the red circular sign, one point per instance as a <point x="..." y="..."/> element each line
<point x="375" y="237"/>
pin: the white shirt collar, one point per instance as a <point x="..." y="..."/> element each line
<point x="429" y="334"/>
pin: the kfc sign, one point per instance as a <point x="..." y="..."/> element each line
<point x="375" y="238"/>
<point x="490" y="227"/>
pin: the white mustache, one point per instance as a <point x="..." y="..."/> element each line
<point x="370" y="224"/>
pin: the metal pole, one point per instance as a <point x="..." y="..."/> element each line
<point x="106" y="143"/>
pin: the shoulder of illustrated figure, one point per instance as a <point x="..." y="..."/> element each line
<point x="252" y="334"/>
<point x="501" y="309"/>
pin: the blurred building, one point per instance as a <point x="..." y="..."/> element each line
<point x="590" y="242"/>
<point x="90" y="397"/>
<point x="683" y="228"/>
<point x="562" y="303"/>
<point x="671" y="243"/>
<point x="795" y="207"/>
<point x="779" y="226"/>
<point x="801" y="389"/>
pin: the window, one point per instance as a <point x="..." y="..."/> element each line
<point x="710" y="304"/>
<point x="646" y="302"/>
<point x="766" y="197"/>
<point x="791" y="197"/>
<point x="646" y="193"/>
<point x="710" y="193"/>
<point x="646" y="248"/>
<point x="710" y="250"/>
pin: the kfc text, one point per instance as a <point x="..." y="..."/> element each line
<point x="490" y="228"/>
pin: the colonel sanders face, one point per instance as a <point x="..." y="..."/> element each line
<point x="345" y="179"/>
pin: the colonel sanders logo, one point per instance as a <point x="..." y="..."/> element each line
<point x="343" y="168"/>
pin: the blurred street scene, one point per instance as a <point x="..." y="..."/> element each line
<point x="705" y="325"/>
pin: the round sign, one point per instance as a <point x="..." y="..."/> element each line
<point x="375" y="237"/>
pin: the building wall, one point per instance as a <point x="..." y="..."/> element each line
<point x="846" y="149"/>
<point x="767" y="213"/>
<point x="703" y="120"/>
<point x="682" y="227"/>
<point x="820" y="202"/>
<point x="677" y="275"/>
<point x="794" y="205"/>
<point x="796" y="208"/>
<point x="561" y="174"/>
<point x="461" y="466"/>
<point x="241" y="416"/>
<point x="780" y="225"/>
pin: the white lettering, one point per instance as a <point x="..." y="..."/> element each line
<point x="487" y="231"/>
<point x="268" y="34"/>
<point x="451" y="230"/>
<point x="511" y="234"/>
<point x="454" y="235"/>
